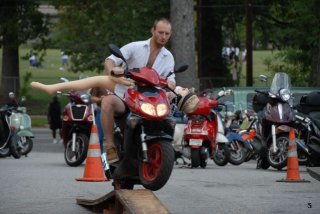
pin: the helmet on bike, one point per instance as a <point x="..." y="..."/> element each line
<point x="188" y="103"/>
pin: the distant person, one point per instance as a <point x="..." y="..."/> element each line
<point x="33" y="61"/>
<point x="12" y="100"/>
<point x="64" y="61"/>
<point x="54" y="118"/>
<point x="244" y="55"/>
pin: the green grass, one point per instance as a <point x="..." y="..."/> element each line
<point x="259" y="67"/>
<point x="50" y="73"/>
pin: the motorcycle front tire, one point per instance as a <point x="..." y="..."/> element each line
<point x="239" y="156"/>
<point x="282" y="143"/>
<point x="4" y="152"/>
<point x="15" y="150"/>
<point x="80" y="139"/>
<point x="222" y="155"/>
<point x="155" y="173"/>
<point x="27" y="146"/>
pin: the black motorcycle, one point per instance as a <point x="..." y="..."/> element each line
<point x="275" y="119"/>
<point x="308" y="127"/>
<point x="9" y="141"/>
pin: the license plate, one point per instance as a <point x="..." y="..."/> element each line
<point x="195" y="142"/>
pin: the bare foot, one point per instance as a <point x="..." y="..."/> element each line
<point x="43" y="87"/>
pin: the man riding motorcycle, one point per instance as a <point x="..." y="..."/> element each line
<point x="152" y="53"/>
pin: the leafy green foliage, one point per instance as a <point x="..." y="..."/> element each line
<point x="26" y="85"/>
<point x="85" y="28"/>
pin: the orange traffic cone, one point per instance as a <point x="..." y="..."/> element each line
<point x="293" y="174"/>
<point x="93" y="170"/>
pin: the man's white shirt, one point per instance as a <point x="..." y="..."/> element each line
<point x="137" y="55"/>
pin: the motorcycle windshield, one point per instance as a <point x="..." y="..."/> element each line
<point x="280" y="81"/>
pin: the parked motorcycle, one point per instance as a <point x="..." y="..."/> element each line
<point x="274" y="121"/>
<point x="9" y="140"/>
<point x="20" y="122"/>
<point x="204" y="134"/>
<point x="143" y="136"/>
<point x="237" y="145"/>
<point x="76" y="126"/>
<point x="308" y="127"/>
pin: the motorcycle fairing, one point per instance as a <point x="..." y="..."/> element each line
<point x="25" y="133"/>
<point x="221" y="138"/>
<point x="279" y="112"/>
<point x="148" y="94"/>
<point x="234" y="136"/>
<point x="145" y="75"/>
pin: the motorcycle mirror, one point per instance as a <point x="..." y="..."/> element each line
<point x="263" y="78"/>
<point x="116" y="51"/>
<point x="181" y="67"/>
<point x="221" y="93"/>
<point x="63" y="79"/>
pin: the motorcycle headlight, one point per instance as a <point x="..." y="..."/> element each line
<point x="162" y="109"/>
<point x="148" y="109"/>
<point x="285" y="94"/>
<point x="85" y="98"/>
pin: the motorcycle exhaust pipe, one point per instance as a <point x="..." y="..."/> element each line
<point x="73" y="146"/>
<point x="274" y="140"/>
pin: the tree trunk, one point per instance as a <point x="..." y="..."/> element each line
<point x="10" y="66"/>
<point x="212" y="69"/>
<point x="315" y="68"/>
<point x="183" y="41"/>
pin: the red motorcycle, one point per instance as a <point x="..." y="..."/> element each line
<point x="204" y="135"/>
<point x="143" y="136"/>
<point x="76" y="127"/>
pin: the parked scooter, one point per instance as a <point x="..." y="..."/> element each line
<point x="76" y="126"/>
<point x="274" y="121"/>
<point x="308" y="127"/>
<point x="204" y="134"/>
<point x="20" y="122"/>
<point x="9" y="140"/>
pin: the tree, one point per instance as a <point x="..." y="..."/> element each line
<point x="19" y="21"/>
<point x="85" y="28"/>
<point x="183" y="40"/>
<point x="301" y="40"/>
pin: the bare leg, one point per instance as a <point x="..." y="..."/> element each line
<point x="90" y="82"/>
<point x="111" y="105"/>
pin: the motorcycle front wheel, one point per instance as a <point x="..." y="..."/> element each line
<point x="76" y="158"/>
<point x="155" y="173"/>
<point x="221" y="155"/>
<point x="15" y="146"/>
<point x="238" y="152"/>
<point x="278" y="159"/>
<point x="4" y="152"/>
<point x="27" y="145"/>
